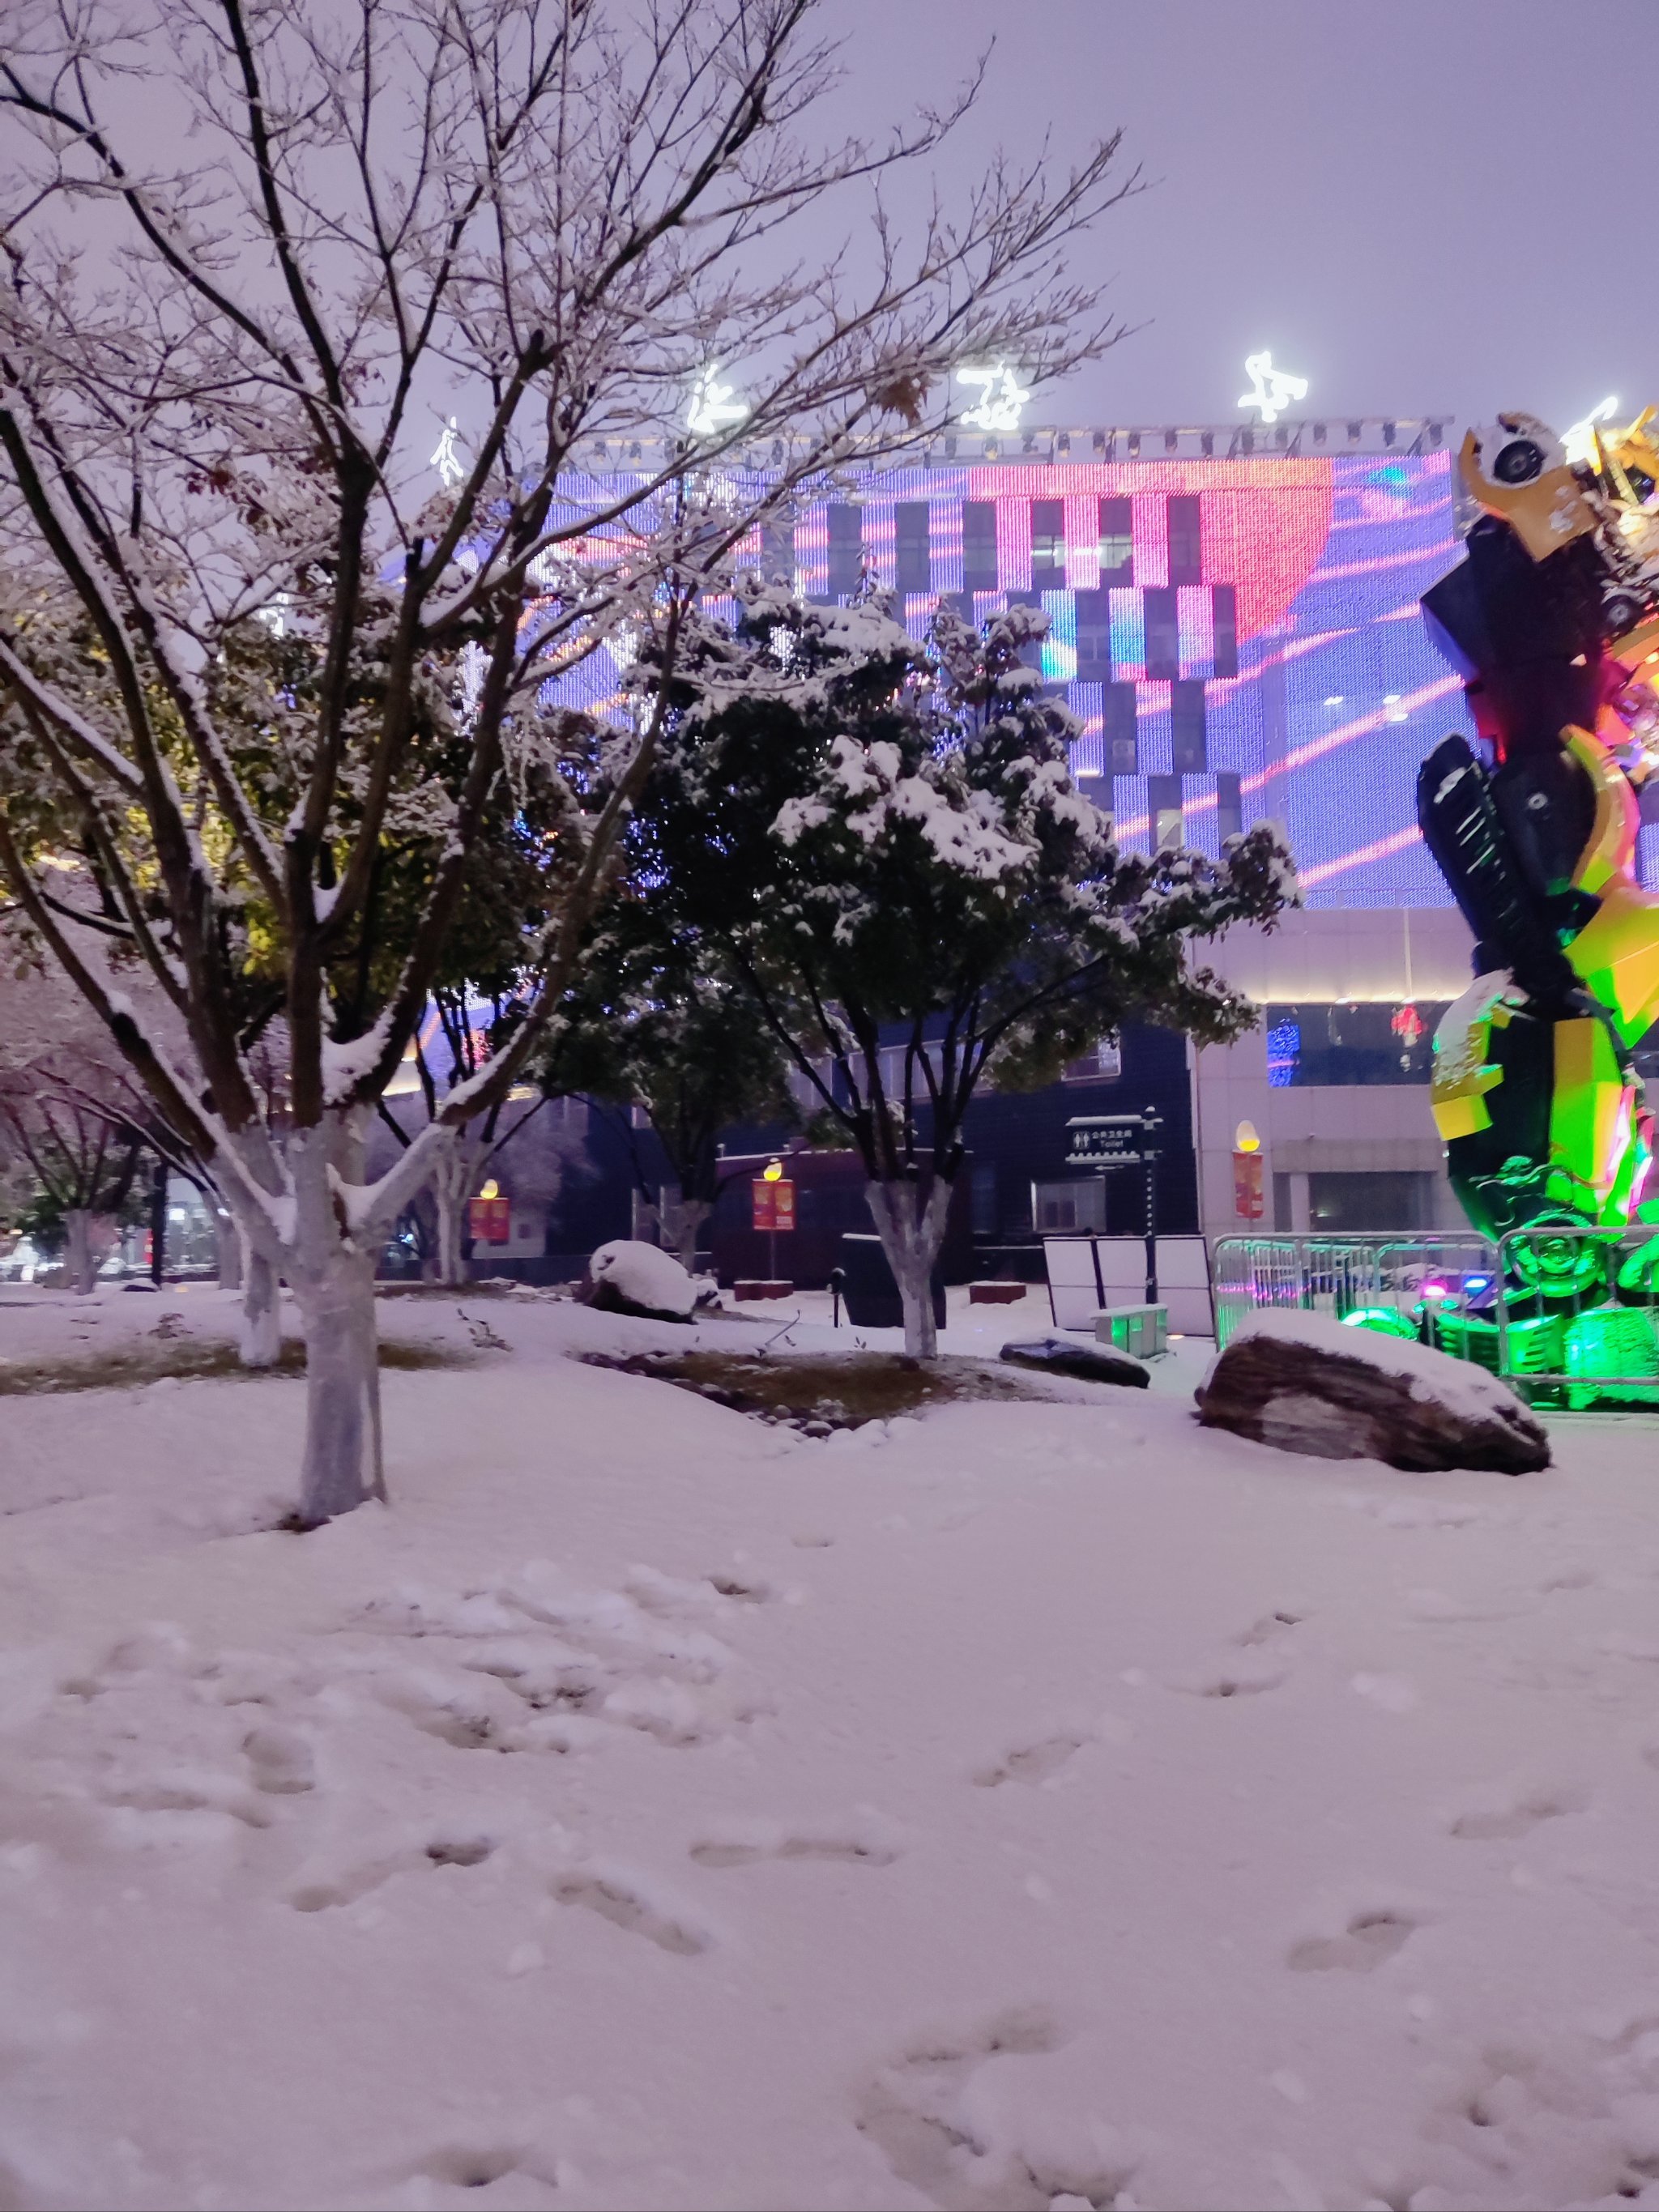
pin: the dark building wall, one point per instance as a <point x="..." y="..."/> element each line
<point x="1014" y="1138"/>
<point x="1019" y="1138"/>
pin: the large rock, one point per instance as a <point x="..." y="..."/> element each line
<point x="1308" y="1384"/>
<point x="1089" y="1363"/>
<point x="626" y="1277"/>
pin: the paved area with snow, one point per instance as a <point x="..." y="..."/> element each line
<point x="1031" y="1806"/>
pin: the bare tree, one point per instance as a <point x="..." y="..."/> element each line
<point x="453" y="1048"/>
<point x="251" y="245"/>
<point x="76" y="1121"/>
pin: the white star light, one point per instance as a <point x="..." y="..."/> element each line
<point x="1272" y="389"/>
<point x="447" y="458"/>
<point x="713" y="405"/>
<point x="1002" y="398"/>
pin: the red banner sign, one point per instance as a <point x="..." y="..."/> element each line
<point x="774" y="1203"/>
<point x="490" y="1220"/>
<point x="1247" y="1186"/>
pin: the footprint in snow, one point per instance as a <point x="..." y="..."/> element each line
<point x="1364" y="1943"/>
<point x="323" y="1893"/>
<point x="968" y="2121"/>
<point x="619" y="1901"/>
<point x="1501" y="1819"/>
<point x="1032" y="1763"/>
<point x="857" y="1843"/>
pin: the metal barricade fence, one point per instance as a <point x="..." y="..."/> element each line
<point x="1343" y="1275"/>
<point x="1581" y="1326"/>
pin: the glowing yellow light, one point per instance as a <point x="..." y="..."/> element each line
<point x="1245" y="1140"/>
<point x="772" y="1171"/>
<point x="491" y="1190"/>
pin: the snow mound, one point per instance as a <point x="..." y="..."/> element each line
<point x="631" y="1277"/>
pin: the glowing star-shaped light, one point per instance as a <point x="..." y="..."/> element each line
<point x="447" y="458"/>
<point x="1002" y="398"/>
<point x="714" y="405"/>
<point x="1272" y="389"/>
<point x="1579" y="441"/>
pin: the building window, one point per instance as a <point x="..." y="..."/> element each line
<point x="1229" y="808"/>
<point x="1048" y="545"/>
<point x="1117" y="542"/>
<point x="912" y="570"/>
<point x="1162" y="635"/>
<point x="1057" y="1208"/>
<point x="1186" y="541"/>
<point x="1377" y="1199"/>
<point x="1189" y="755"/>
<point x="1224" y="617"/>
<point x="1101" y="1063"/>
<point x="979" y="545"/>
<point x="1094" y="638"/>
<point x="1123" y="731"/>
<point x="1164" y="805"/>
<point x="1322" y="1045"/>
<point x="846" y="550"/>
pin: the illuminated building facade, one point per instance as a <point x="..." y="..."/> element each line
<point x="1234" y="621"/>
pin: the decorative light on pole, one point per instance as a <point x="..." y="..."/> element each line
<point x="1272" y="389"/>
<point x="1001" y="402"/>
<point x="714" y="406"/>
<point x="446" y="457"/>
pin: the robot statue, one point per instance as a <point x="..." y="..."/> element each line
<point x="1551" y="619"/>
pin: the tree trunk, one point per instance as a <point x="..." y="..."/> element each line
<point x="451" y="1187"/>
<point x="229" y="1239"/>
<point x="261" y="1332"/>
<point x="80" y="1266"/>
<point x="334" y="1282"/>
<point x="912" y="1235"/>
<point x="678" y="1221"/>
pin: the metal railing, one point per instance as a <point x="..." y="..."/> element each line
<point x="1574" y="1325"/>
<point x="1343" y="1275"/>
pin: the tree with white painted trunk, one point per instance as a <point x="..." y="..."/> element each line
<point x="881" y="843"/>
<point x="75" y="1119"/>
<point x="266" y="662"/>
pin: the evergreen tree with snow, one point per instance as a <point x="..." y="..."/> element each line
<point x="869" y="835"/>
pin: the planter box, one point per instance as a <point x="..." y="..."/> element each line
<point x="995" y="1294"/>
<point x="764" y="1289"/>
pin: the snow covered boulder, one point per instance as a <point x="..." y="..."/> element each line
<point x="628" y="1278"/>
<point x="1310" y="1384"/>
<point x="1089" y="1363"/>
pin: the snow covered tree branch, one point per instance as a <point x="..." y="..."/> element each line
<point x="881" y="844"/>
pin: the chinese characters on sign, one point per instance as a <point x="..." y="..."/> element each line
<point x="1247" y="1186"/>
<point x="1272" y="389"/>
<point x="714" y="405"/>
<point x="1002" y="398"/>
<point x="490" y="1220"/>
<point x="774" y="1203"/>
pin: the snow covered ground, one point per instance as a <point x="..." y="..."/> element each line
<point x="1034" y="1805"/>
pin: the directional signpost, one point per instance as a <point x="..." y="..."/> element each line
<point x="1105" y="1141"/>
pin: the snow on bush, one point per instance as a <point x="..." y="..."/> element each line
<point x="644" y="1276"/>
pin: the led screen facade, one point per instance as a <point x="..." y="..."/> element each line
<point x="1239" y="638"/>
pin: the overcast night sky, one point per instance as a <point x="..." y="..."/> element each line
<point x="1418" y="205"/>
